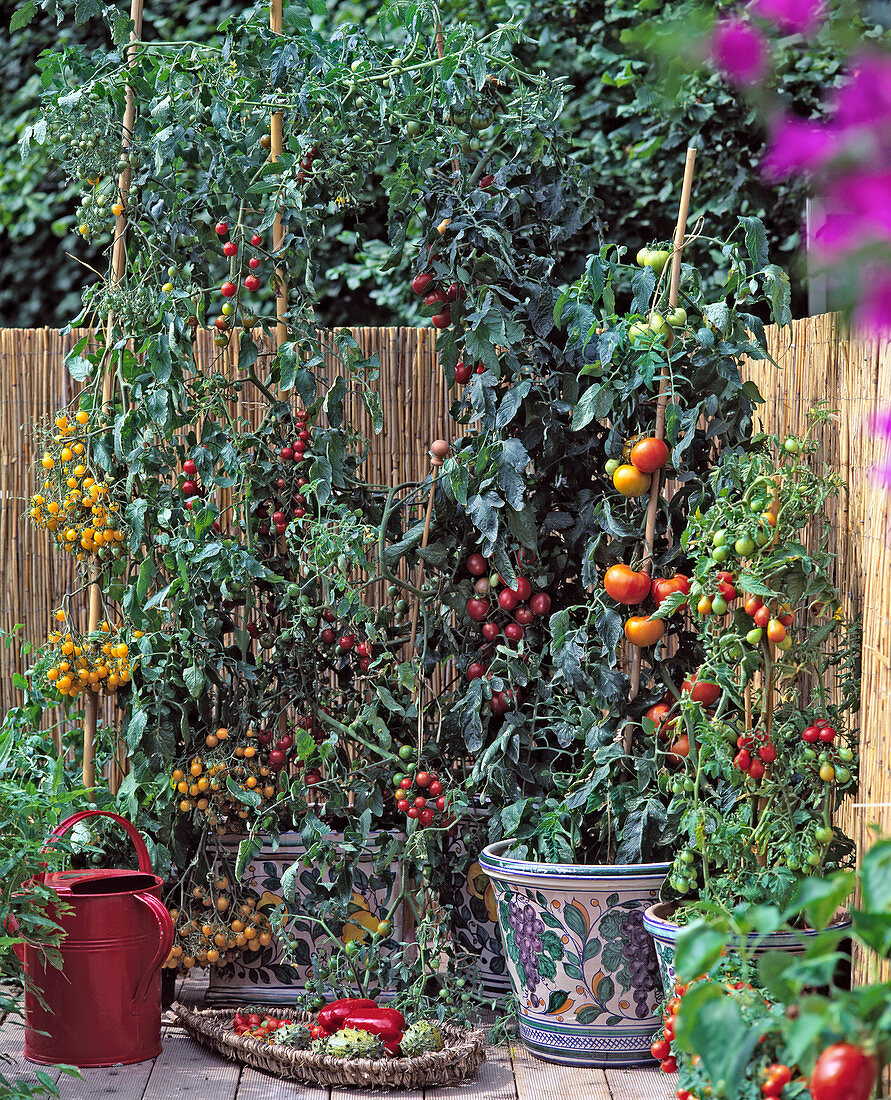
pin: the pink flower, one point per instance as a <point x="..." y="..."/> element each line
<point x="739" y="52"/>
<point x="792" y="16"/>
<point x="797" y="145"/>
<point x="856" y="213"/>
<point x="874" y="310"/>
<point x="865" y="100"/>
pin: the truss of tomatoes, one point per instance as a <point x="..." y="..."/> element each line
<point x="422" y="798"/>
<point x="346" y="643"/>
<point x="248" y="1022"/>
<point x="506" y="619"/>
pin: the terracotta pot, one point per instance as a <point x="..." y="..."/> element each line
<point x="582" y="969"/>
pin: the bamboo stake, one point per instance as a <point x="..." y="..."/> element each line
<point x="438" y="451"/>
<point x="118" y="270"/>
<point x="278" y="232"/>
<point x="659" y="432"/>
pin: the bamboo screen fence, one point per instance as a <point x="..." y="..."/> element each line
<point x="817" y="364"/>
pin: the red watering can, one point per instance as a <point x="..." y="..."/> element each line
<point x="104" y="1005"/>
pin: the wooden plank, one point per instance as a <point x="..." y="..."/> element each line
<point x="495" y="1080"/>
<point x="185" y="1068"/>
<point x="12" y="1046"/>
<point x="363" y="1094"/>
<point x="121" y="1082"/>
<point x="255" y="1085"/>
<point x="537" y="1079"/>
<point x="640" y="1084"/>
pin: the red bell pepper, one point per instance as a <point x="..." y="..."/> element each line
<point x="386" y="1022"/>
<point x="332" y="1016"/>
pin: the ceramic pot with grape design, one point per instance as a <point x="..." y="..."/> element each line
<point x="583" y="969"/>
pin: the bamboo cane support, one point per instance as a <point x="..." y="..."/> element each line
<point x="276" y="137"/>
<point x="118" y="269"/>
<point x="659" y="431"/>
<point x="438" y="451"/>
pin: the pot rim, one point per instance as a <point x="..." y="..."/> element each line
<point x="492" y="860"/>
<point x="663" y="911"/>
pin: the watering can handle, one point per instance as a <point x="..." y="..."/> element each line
<point x="145" y="863"/>
<point x="165" y="929"/>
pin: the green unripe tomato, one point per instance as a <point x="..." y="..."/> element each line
<point x="658" y="325"/>
<point x="842" y="775"/>
<point x="688" y="786"/>
<point x="657" y="260"/>
<point x="792" y="446"/>
<point x="351" y="949"/>
<point x="822" y="834"/>
<point x="755" y="635"/>
<point x="384" y="928"/>
<point x="677" y="318"/>
<point x="636" y="333"/>
<point x="719" y="538"/>
<point x="719" y="605"/>
<point x="642" y="257"/>
<point x="686" y="856"/>
<point x="844" y="753"/>
<point x="397" y="778"/>
<point x="809" y="753"/>
<point x="763" y="538"/>
<point x="612" y="464"/>
<point x="744" y="545"/>
<point x="813" y="858"/>
<point x="720" y="553"/>
<point x="406" y="752"/>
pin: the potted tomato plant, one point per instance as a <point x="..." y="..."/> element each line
<point x="772" y="748"/>
<point x="535" y="548"/>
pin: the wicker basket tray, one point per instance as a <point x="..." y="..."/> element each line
<point x="460" y="1060"/>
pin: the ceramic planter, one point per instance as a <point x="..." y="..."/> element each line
<point x="265" y="975"/>
<point x="583" y="970"/>
<point x="468" y="890"/>
<point x="658" y="923"/>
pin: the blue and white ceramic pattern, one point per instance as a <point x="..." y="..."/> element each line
<point x="583" y="969"/>
<point x="266" y="975"/>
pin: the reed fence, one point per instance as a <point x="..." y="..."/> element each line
<point x="818" y="363"/>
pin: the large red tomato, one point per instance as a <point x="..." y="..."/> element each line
<point x="665" y="586"/>
<point x="649" y="454"/>
<point x="844" y="1072"/>
<point x="625" y="585"/>
<point x="702" y="691"/>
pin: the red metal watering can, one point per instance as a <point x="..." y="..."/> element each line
<point x="104" y="1005"/>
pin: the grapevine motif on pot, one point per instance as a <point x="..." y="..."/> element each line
<point x="607" y="965"/>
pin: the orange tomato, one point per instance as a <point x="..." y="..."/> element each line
<point x="625" y="585"/>
<point x="649" y="454"/>
<point x="630" y="481"/>
<point x="643" y="631"/>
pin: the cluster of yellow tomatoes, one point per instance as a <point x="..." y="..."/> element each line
<point x="201" y="783"/>
<point x="73" y="505"/>
<point x="98" y="662"/>
<point x="212" y="928"/>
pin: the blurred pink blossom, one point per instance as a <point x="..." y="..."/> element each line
<point x="856" y="213"/>
<point x="865" y="100"/>
<point x="797" y="145"/>
<point x="874" y="313"/>
<point x="792" y="16"/>
<point x="739" y="51"/>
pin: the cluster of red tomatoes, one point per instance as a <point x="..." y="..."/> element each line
<point x="464" y="371"/>
<point x="421" y="798"/>
<point x="630" y="587"/>
<point x="668" y="729"/>
<point x="230" y="250"/>
<point x="632" y="478"/>
<point x="774" y="622"/>
<point x="251" y="1023"/>
<point x="346" y="642"/>
<point x="831" y="763"/>
<point x="756" y="751"/>
<point x="515" y="608"/>
<point x="306" y="164"/>
<point x="424" y="285"/>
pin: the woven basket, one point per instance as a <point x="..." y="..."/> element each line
<point x="460" y="1060"/>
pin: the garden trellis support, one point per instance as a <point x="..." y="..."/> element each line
<point x="661" y="401"/>
<point x="118" y="269"/>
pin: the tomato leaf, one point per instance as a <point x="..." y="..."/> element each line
<point x="699" y="946"/>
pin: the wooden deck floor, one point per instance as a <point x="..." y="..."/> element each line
<point x="185" y="1068"/>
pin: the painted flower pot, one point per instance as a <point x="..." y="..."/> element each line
<point x="582" y="968"/>
<point x="267" y="975"/>
<point x="468" y="890"/>
<point x="664" y="932"/>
